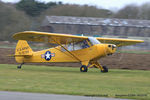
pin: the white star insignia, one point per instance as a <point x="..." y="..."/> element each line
<point x="48" y="55"/>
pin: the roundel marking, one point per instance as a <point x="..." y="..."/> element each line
<point x="47" y="55"/>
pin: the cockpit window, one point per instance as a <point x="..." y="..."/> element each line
<point x="93" y="40"/>
<point x="76" y="46"/>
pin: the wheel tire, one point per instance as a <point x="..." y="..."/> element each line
<point x="105" y="69"/>
<point x="19" y="67"/>
<point x="83" y="68"/>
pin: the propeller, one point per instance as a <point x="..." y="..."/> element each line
<point x="119" y="56"/>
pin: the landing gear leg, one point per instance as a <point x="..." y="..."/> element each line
<point x="103" y="69"/>
<point x="19" y="67"/>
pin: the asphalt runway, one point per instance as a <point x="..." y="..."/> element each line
<point x="4" y="95"/>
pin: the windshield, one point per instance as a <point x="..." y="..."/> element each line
<point x="93" y="40"/>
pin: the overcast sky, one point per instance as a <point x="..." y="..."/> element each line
<point x="108" y="4"/>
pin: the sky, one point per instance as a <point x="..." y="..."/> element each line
<point x="107" y="4"/>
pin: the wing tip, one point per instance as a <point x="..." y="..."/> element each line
<point x="140" y="41"/>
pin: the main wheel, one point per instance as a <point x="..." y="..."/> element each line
<point x="105" y="69"/>
<point x="83" y="68"/>
<point x="19" y="67"/>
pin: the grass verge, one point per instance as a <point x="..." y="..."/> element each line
<point x="133" y="84"/>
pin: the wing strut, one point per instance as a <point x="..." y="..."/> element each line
<point x="67" y="50"/>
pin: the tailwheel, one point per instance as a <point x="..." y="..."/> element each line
<point x="105" y="69"/>
<point x="83" y="68"/>
<point x="19" y="67"/>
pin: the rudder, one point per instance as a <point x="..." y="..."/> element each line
<point x="22" y="50"/>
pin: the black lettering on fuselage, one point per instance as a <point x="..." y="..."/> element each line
<point x="24" y="48"/>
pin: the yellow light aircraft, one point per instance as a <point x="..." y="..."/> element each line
<point x="70" y="48"/>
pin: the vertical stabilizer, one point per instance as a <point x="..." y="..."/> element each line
<point x="22" y="50"/>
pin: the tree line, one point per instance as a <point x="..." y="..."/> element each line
<point x="28" y="14"/>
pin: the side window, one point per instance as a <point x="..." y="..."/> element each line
<point x="70" y="47"/>
<point x="85" y="44"/>
<point x="62" y="49"/>
<point x="76" y="46"/>
<point x="81" y="45"/>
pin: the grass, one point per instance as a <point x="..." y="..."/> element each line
<point x="133" y="84"/>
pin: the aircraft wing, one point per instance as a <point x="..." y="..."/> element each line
<point x="57" y="38"/>
<point x="118" y="41"/>
<point x="48" y="37"/>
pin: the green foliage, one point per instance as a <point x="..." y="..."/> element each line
<point x="68" y="80"/>
<point x="133" y="11"/>
<point x="33" y="7"/>
<point x="30" y="7"/>
<point x="77" y="10"/>
<point x="11" y="21"/>
<point x="128" y="12"/>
